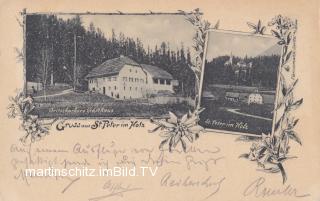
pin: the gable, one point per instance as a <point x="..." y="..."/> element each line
<point x="156" y="72"/>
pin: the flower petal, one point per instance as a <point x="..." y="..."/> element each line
<point x="166" y="124"/>
<point x="184" y="118"/>
<point x="195" y="129"/>
<point x="173" y="118"/>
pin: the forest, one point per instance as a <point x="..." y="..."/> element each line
<point x="50" y="52"/>
<point x="263" y="73"/>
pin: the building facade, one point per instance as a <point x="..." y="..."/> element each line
<point x="255" y="98"/>
<point x="122" y="78"/>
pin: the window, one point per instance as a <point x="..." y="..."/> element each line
<point x="125" y="79"/>
<point x="124" y="88"/>
<point x="136" y="71"/>
<point x="161" y="81"/>
<point x="168" y="82"/>
<point x="130" y="70"/>
<point x="130" y="88"/>
<point x="93" y="89"/>
<point x="130" y="79"/>
<point x="155" y="80"/>
<point x="141" y="80"/>
<point x="109" y="88"/>
<point x="136" y="79"/>
<point x="115" y="87"/>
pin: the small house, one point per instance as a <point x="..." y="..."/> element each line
<point x="255" y="98"/>
<point x="232" y="96"/>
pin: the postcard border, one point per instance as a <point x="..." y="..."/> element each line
<point x="202" y="77"/>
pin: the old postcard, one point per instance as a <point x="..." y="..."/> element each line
<point x="159" y="100"/>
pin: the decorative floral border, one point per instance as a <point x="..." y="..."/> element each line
<point x="272" y="149"/>
<point x="21" y="107"/>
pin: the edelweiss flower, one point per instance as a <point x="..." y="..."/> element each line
<point x="282" y="22"/>
<point x="31" y="125"/>
<point x="175" y="130"/>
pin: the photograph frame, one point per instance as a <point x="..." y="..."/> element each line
<point x="274" y="118"/>
<point x="24" y="92"/>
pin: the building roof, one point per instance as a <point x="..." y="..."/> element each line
<point x="233" y="94"/>
<point x="156" y="72"/>
<point x="111" y="67"/>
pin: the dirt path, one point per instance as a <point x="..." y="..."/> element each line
<point x="57" y="94"/>
<point x="235" y="111"/>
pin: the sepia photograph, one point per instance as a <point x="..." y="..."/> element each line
<point x="109" y="65"/>
<point x="239" y="82"/>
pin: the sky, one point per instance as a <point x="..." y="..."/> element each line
<point x="151" y="29"/>
<point x="240" y="44"/>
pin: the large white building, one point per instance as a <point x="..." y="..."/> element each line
<point x="123" y="78"/>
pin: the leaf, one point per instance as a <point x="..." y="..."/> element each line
<point x="196" y="136"/>
<point x="294" y="136"/>
<point x="155" y="129"/>
<point x="263" y="29"/>
<point x="277" y="125"/>
<point x="259" y="25"/>
<point x="292" y="86"/>
<point x="281" y="42"/>
<point x="283" y="173"/>
<point x="288" y="38"/>
<point x="276" y="34"/>
<point x="294" y="123"/>
<point x="288" y="56"/>
<point x="163" y="143"/>
<point x="295" y="105"/>
<point x="284" y="91"/>
<point x="184" y="146"/>
<point x="251" y="25"/>
<point x="244" y="156"/>
<point x="285" y="49"/>
<point x="216" y="26"/>
<point x="270" y="170"/>
<point x="170" y="144"/>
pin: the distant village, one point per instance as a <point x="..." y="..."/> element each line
<point x="239" y="72"/>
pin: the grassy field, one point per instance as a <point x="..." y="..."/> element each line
<point x="97" y="105"/>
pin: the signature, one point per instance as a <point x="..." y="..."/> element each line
<point x="206" y="163"/>
<point x="207" y="182"/>
<point x="258" y="189"/>
<point x="114" y="189"/>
